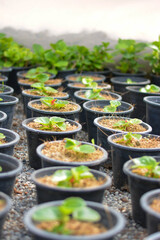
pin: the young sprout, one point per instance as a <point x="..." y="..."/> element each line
<point x="78" y="147"/>
<point x="88" y="81"/>
<point x="41" y="77"/>
<point x="71" y="208"/>
<point x="50" y="123"/>
<point x="94" y="94"/>
<point x="124" y="124"/>
<point x="112" y="107"/>
<point x="148" y="163"/>
<point x="150" y="89"/>
<point x="53" y="103"/>
<point x="129" y="81"/>
<point x="128" y="138"/>
<point x="42" y="90"/>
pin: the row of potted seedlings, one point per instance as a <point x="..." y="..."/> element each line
<point x="50" y="120"/>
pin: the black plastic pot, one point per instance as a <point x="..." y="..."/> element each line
<point x="121" y="154"/>
<point x="8" y="106"/>
<point x="41" y="113"/>
<point x="3" y="117"/>
<point x="3" y="79"/>
<point x="119" y="74"/>
<point x="12" y="80"/>
<point x="72" y="88"/>
<point x="154" y="236"/>
<point x="50" y="162"/>
<point x="139" y="185"/>
<point x="5" y="71"/>
<point x="152" y="217"/>
<point x="11" y="167"/>
<point x="47" y="193"/>
<point x="153" y="113"/>
<point x="120" y="84"/>
<point x="155" y="79"/>
<point x="36" y="137"/>
<point x="81" y="100"/>
<point x="111" y="219"/>
<point x="104" y="132"/>
<point x="135" y="97"/>
<point x="6" y="90"/>
<point x="12" y="138"/>
<point x="90" y="114"/>
<point x="4" y="211"/>
<point x="29" y="97"/>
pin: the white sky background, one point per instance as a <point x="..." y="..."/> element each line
<point x="137" y="19"/>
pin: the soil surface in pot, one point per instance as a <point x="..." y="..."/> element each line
<point x="75" y="227"/>
<point x="57" y="151"/>
<point x="36" y="93"/>
<point x="155" y="205"/>
<point x="38" y="126"/>
<point x="75" y="78"/>
<point x="49" y="82"/>
<point x="100" y="109"/>
<point x="84" y="86"/>
<point x="109" y="123"/>
<point x="2" y="204"/>
<point x="82" y="183"/>
<point x="145" y="142"/>
<point x="67" y="108"/>
<point x="105" y="96"/>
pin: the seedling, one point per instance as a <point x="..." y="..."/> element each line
<point x="78" y="147"/>
<point x="112" y="107"/>
<point x="34" y="71"/>
<point x="94" y="94"/>
<point x="53" y="103"/>
<point x="150" y="89"/>
<point x="41" y="77"/>
<point x="129" y="81"/>
<point x="42" y="90"/>
<point x="124" y="124"/>
<point x="87" y="81"/>
<point x="50" y="123"/>
<point x="149" y="163"/>
<point x="71" y="208"/>
<point x="66" y="178"/>
<point x="128" y="138"/>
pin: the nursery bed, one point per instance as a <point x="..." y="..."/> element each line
<point x="24" y="196"/>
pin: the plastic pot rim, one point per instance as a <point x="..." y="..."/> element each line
<point x="103" y="78"/>
<point x="13" y="99"/>
<point x="87" y="163"/>
<point x="115" y="80"/>
<point x="13" y="142"/>
<point x="26" y="121"/>
<point x="8" y="204"/>
<point x="110" y="233"/>
<point x="36" y="96"/>
<point x="98" y="125"/>
<point x="105" y="185"/>
<point x="4" y="116"/>
<point x="144" y="202"/>
<point x="71" y="85"/>
<point x="76" y="94"/>
<point x="50" y="112"/>
<point x="117" y="145"/>
<point x="153" y="236"/>
<point x="135" y="89"/>
<point x="150" y="100"/>
<point x="104" y="113"/>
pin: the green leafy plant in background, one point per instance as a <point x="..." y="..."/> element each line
<point x="34" y="71"/>
<point x="129" y="50"/>
<point x="42" y="90"/>
<point x="94" y="94"/>
<point x="71" y="208"/>
<point x="76" y="146"/>
<point x="149" y="163"/>
<point x="128" y="138"/>
<point x="113" y="106"/>
<point x="129" y="81"/>
<point x="95" y="59"/>
<point x="41" y="77"/>
<point x="53" y="103"/>
<point x="124" y="124"/>
<point x="66" y="178"/>
<point x="154" y="57"/>
<point x="150" y="89"/>
<point x="50" y="123"/>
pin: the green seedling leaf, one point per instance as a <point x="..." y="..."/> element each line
<point x="1" y="99"/>
<point x="123" y="124"/>
<point x="42" y="120"/>
<point x="71" y="204"/>
<point x="50" y="90"/>
<point x="53" y="103"/>
<point x="62" y="175"/>
<point x="2" y="136"/>
<point x="135" y="121"/>
<point x="78" y="147"/>
<point x="86" y="214"/>
<point x="112" y="107"/>
<point x="87" y="148"/>
<point x="150" y="89"/>
<point x="1" y="169"/>
<point x="94" y="94"/>
<point x="49" y="123"/>
<point x="129" y="81"/>
<point x="70" y="143"/>
<point x="47" y="214"/>
<point x="81" y="172"/>
<point x="145" y="161"/>
<point x="156" y="172"/>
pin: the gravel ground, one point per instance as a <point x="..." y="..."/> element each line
<point x="24" y="196"/>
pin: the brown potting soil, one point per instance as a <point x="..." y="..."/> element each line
<point x="35" y="125"/>
<point x="109" y="123"/>
<point x="155" y="205"/>
<point x="50" y="94"/>
<point x="76" y="227"/>
<point x="100" y="109"/>
<point x="67" y="108"/>
<point x="83" y="85"/>
<point x="82" y="183"/>
<point x="145" y="142"/>
<point x="105" y="96"/>
<point x="95" y="78"/>
<point x="2" y="204"/>
<point x="57" y="151"/>
<point x="49" y="82"/>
